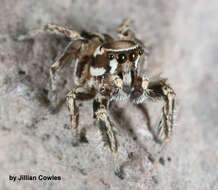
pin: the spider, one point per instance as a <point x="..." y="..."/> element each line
<point x="108" y="69"/>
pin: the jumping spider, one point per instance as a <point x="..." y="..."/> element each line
<point x="108" y="69"/>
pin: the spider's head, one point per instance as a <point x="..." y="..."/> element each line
<point x="120" y="58"/>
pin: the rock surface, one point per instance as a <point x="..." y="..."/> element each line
<point x="33" y="141"/>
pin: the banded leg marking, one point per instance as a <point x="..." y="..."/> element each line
<point x="102" y="116"/>
<point x="160" y="89"/>
<point x="78" y="93"/>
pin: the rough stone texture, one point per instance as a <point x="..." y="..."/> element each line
<point x="184" y="38"/>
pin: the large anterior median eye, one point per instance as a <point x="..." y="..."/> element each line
<point x="121" y="58"/>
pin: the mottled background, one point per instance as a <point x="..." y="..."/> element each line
<point x="184" y="39"/>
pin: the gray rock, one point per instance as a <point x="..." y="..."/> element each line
<point x="33" y="141"/>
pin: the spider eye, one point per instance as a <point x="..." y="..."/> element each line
<point x="132" y="57"/>
<point x="141" y="51"/>
<point x="110" y="56"/>
<point x="121" y="58"/>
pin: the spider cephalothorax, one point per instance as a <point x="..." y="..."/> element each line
<point x="117" y="58"/>
<point x="107" y="69"/>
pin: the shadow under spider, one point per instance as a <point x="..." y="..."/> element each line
<point x="119" y="117"/>
<point x="42" y="97"/>
<point x="144" y="110"/>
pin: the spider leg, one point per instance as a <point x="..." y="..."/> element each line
<point x="67" y="56"/>
<point x="51" y="28"/>
<point x="160" y="89"/>
<point x="78" y="93"/>
<point x="156" y="88"/>
<point x="105" y="38"/>
<point x="124" y="32"/>
<point x="100" y="106"/>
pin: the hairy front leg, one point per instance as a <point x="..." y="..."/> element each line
<point x="160" y="89"/>
<point x="78" y="93"/>
<point x="51" y="28"/>
<point x="100" y="106"/>
<point x="156" y="89"/>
